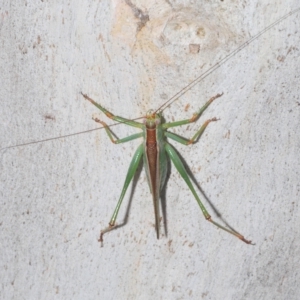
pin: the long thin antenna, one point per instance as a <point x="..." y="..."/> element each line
<point x="51" y="139"/>
<point x="62" y="136"/>
<point x="182" y="91"/>
<point x="222" y="61"/>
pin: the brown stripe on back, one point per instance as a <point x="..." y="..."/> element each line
<point x="152" y="156"/>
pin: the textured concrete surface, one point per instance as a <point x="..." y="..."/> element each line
<point x="132" y="56"/>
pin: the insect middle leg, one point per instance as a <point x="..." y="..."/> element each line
<point x="117" y="140"/>
<point x="194" y="118"/>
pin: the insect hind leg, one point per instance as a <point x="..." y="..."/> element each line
<point x="130" y="173"/>
<point x="182" y="171"/>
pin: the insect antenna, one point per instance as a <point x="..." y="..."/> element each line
<point x="221" y="62"/>
<point x="181" y="92"/>
<point x="63" y="136"/>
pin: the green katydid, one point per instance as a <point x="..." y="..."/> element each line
<point x="155" y="151"/>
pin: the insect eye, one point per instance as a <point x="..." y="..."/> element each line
<point x="150" y="113"/>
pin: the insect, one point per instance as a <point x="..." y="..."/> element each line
<point x="155" y="149"/>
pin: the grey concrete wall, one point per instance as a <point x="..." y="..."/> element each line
<point x="133" y="56"/>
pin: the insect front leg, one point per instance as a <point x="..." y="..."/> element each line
<point x="112" y="116"/>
